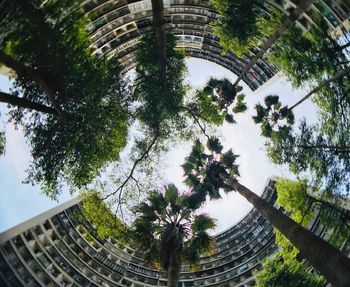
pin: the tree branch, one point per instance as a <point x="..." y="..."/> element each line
<point x="22" y="70"/>
<point x="25" y="103"/>
<point x="131" y="173"/>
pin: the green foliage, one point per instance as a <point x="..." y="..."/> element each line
<point x="240" y="105"/>
<point x="88" y="90"/>
<point x="303" y="204"/>
<point x="204" y="171"/>
<point x="167" y="226"/>
<point x="320" y="54"/>
<point x="293" y="197"/>
<point x="324" y="154"/>
<point x="2" y="142"/>
<point x="211" y="104"/>
<point x="154" y="109"/>
<point x="242" y="24"/>
<point x="99" y="214"/>
<point x="275" y="120"/>
<point x="279" y="271"/>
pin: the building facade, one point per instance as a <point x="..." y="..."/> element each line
<point x="117" y="25"/>
<point x="58" y="248"/>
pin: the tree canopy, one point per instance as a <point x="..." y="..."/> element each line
<point x="321" y="55"/>
<point x="279" y="271"/>
<point x="242" y="24"/>
<point x="56" y="68"/>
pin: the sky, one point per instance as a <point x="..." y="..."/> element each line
<point x="19" y="201"/>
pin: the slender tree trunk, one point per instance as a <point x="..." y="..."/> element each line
<point x="173" y="270"/>
<point x="159" y="28"/>
<point x="22" y="70"/>
<point x="329" y="261"/>
<point x="297" y="12"/>
<point x="337" y="76"/>
<point x="27" y="104"/>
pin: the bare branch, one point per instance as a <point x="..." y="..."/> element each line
<point x="130" y="176"/>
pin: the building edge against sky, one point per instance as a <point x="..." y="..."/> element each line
<point x="58" y="248"/>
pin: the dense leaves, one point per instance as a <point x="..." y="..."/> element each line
<point x="155" y="109"/>
<point x="303" y="202"/>
<point x="279" y="271"/>
<point x="242" y="24"/>
<point x="320" y="53"/>
<point x="204" y="171"/>
<point x="100" y="215"/>
<point x="211" y="104"/>
<point x="88" y="90"/>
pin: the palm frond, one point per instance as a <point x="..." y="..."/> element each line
<point x="214" y="144"/>
<point x="271" y="100"/>
<point x="228" y="158"/>
<point x="203" y="222"/>
<point x="261" y="114"/>
<point x="230" y="119"/>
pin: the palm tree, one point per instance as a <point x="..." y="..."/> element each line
<point x="296" y="13"/>
<point x="271" y="116"/>
<point x="168" y="230"/>
<point x="208" y="173"/>
<point x="224" y="93"/>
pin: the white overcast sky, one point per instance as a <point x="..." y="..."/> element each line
<point x="19" y="202"/>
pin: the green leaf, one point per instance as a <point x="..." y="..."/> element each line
<point x="214" y="145"/>
<point x="261" y="114"/>
<point x="171" y="193"/>
<point x="271" y="100"/>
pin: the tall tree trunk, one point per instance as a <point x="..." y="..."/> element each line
<point x="27" y="104"/>
<point x="329" y="261"/>
<point x="337" y="76"/>
<point x="159" y="28"/>
<point x="173" y="272"/>
<point x="297" y="12"/>
<point x="21" y="70"/>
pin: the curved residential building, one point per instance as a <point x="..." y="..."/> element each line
<point x="58" y="248"/>
<point x="116" y="26"/>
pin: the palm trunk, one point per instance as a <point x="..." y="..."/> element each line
<point x="22" y="70"/>
<point x="329" y="261"/>
<point x="174" y="270"/>
<point x="159" y="28"/>
<point x="27" y="104"/>
<point x="337" y="76"/>
<point x="297" y="12"/>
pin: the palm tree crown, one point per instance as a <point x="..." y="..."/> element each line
<point x="223" y="93"/>
<point x="273" y="117"/>
<point x="168" y="230"/>
<point x="204" y="171"/>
